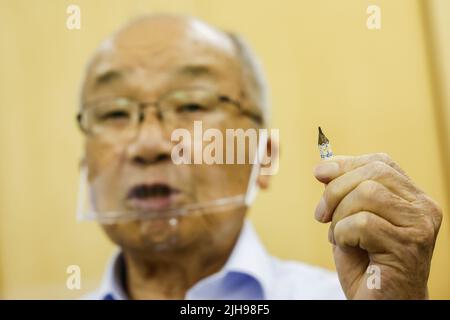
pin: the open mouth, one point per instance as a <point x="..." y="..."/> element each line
<point x="157" y="196"/>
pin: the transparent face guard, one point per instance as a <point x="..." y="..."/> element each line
<point x="117" y="192"/>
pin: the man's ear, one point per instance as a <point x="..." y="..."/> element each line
<point x="272" y="153"/>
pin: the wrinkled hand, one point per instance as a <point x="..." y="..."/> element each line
<point x="381" y="224"/>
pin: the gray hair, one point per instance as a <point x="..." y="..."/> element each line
<point x="256" y="73"/>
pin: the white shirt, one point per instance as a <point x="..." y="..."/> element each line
<point x="249" y="273"/>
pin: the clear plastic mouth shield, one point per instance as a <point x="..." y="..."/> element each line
<point x="213" y="172"/>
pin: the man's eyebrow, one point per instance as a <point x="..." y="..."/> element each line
<point x="195" y="70"/>
<point x="107" y="77"/>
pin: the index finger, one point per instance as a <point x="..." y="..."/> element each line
<point x="336" y="166"/>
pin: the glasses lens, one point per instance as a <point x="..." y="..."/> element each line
<point x="185" y="106"/>
<point x="112" y="117"/>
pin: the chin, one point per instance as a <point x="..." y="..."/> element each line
<point x="156" y="235"/>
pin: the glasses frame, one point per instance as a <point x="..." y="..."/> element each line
<point x="221" y="98"/>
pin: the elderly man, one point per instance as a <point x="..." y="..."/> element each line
<point x="178" y="237"/>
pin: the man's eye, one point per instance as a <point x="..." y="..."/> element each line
<point x="191" y="107"/>
<point x="115" y="115"/>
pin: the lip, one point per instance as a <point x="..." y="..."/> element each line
<point x="151" y="197"/>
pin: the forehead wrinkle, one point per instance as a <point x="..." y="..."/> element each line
<point x="195" y="70"/>
<point x="132" y="45"/>
<point x="107" y="77"/>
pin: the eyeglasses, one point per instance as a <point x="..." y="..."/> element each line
<point x="177" y="108"/>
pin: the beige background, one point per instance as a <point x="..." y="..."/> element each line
<point x="371" y="91"/>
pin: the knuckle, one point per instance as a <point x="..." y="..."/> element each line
<point x="436" y="212"/>
<point x="339" y="238"/>
<point x="439" y="216"/>
<point x="425" y="233"/>
<point x="384" y="157"/>
<point x="379" y="166"/>
<point x="367" y="189"/>
<point x="430" y="210"/>
<point x="380" y="169"/>
<point x="362" y="221"/>
<point x="389" y="162"/>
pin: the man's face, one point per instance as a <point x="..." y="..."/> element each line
<point x="135" y="172"/>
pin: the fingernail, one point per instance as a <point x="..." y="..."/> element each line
<point x="321" y="209"/>
<point x="326" y="170"/>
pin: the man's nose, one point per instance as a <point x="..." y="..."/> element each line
<point x="150" y="146"/>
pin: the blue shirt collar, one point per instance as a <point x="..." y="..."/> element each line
<point x="245" y="275"/>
